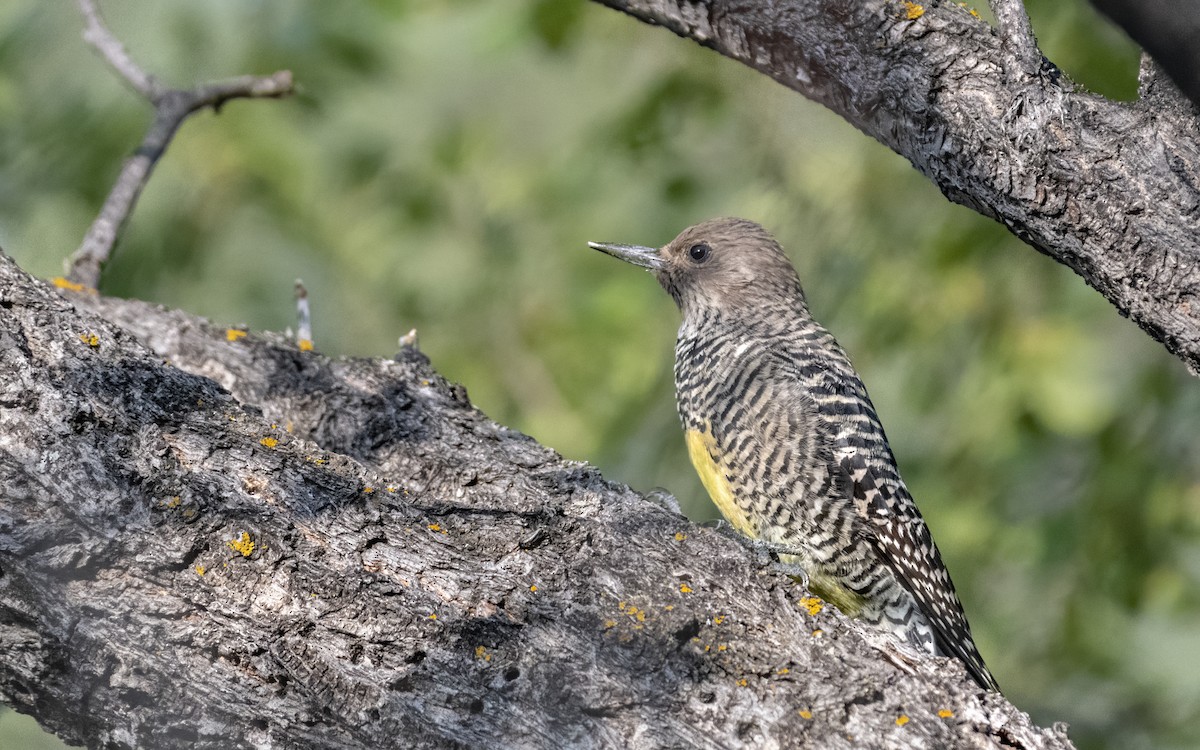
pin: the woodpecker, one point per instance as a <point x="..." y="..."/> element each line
<point x="787" y="443"/>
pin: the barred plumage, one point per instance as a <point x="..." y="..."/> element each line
<point x="787" y="442"/>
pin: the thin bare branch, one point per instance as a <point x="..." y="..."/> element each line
<point x="171" y="108"/>
<point x="97" y="34"/>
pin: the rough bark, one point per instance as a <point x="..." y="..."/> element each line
<point x="1110" y="189"/>
<point x="208" y="542"/>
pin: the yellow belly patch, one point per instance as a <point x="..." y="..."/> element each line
<point x="701" y="447"/>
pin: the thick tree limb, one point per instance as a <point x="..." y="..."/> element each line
<point x="247" y="545"/>
<point x="1111" y="190"/>
<point x="171" y="108"/>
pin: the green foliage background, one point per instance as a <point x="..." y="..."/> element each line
<point x="445" y="164"/>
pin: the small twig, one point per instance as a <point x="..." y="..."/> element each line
<point x="171" y="108"/>
<point x="1016" y="35"/>
<point x="102" y="39"/>
<point x="304" y="337"/>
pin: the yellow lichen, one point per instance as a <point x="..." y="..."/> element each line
<point x="718" y="619"/>
<point x="609" y="624"/>
<point x="818" y="633"/>
<point x="784" y="670"/>
<point x="901" y="720"/>
<point x="533" y="588"/>
<point x="680" y="536"/>
<point x="812" y="604"/>
<point x="433" y="616"/>
<point x="90" y="339"/>
<point x="233" y="334"/>
<point x="369" y="490"/>
<point x="912" y="11"/>
<point x="62" y="283"/>
<point x="305" y="345"/>
<point x="269" y="442"/>
<point x="722" y="647"/>
<point x="390" y="488"/>
<point x="437" y="527"/>
<point x="199" y="570"/>
<point x="945" y="713"/>
<point x="805" y="714"/>
<point x="742" y="682"/>
<point x="685" y="589"/>
<point x="482" y="653"/>
<point x="173" y="502"/>
<point x="243" y="544"/>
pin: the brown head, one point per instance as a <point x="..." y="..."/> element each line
<point x="721" y="265"/>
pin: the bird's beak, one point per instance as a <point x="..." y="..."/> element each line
<point x="646" y="257"/>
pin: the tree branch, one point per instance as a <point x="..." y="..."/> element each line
<point x="252" y="546"/>
<point x="1111" y="190"/>
<point x="171" y="108"/>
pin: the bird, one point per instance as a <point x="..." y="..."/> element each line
<point x="786" y="441"/>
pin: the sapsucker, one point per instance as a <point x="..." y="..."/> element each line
<point x="786" y="441"/>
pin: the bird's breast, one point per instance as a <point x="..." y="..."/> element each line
<point x="702" y="449"/>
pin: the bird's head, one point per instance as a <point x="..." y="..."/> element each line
<point x="720" y="265"/>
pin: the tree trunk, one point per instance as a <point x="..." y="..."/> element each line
<point x="209" y="540"/>
<point x="1110" y="189"/>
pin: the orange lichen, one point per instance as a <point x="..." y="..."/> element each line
<point x="901" y="720"/>
<point x="812" y="604"/>
<point x="912" y="11"/>
<point x="63" y="283"/>
<point x="269" y="442"/>
<point x="945" y="713"/>
<point x="437" y="527"/>
<point x="90" y="339"/>
<point x="685" y="589"/>
<point x="243" y="544"/>
<point x="233" y="334"/>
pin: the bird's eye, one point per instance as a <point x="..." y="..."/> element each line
<point x="699" y="253"/>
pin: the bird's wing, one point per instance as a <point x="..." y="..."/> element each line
<point x="840" y="433"/>
<point x="900" y="535"/>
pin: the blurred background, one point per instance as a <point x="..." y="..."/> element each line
<point x="443" y="167"/>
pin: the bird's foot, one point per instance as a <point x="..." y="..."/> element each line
<point x="767" y="553"/>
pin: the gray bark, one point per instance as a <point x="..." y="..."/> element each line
<point x="420" y="576"/>
<point x="1110" y="189"/>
